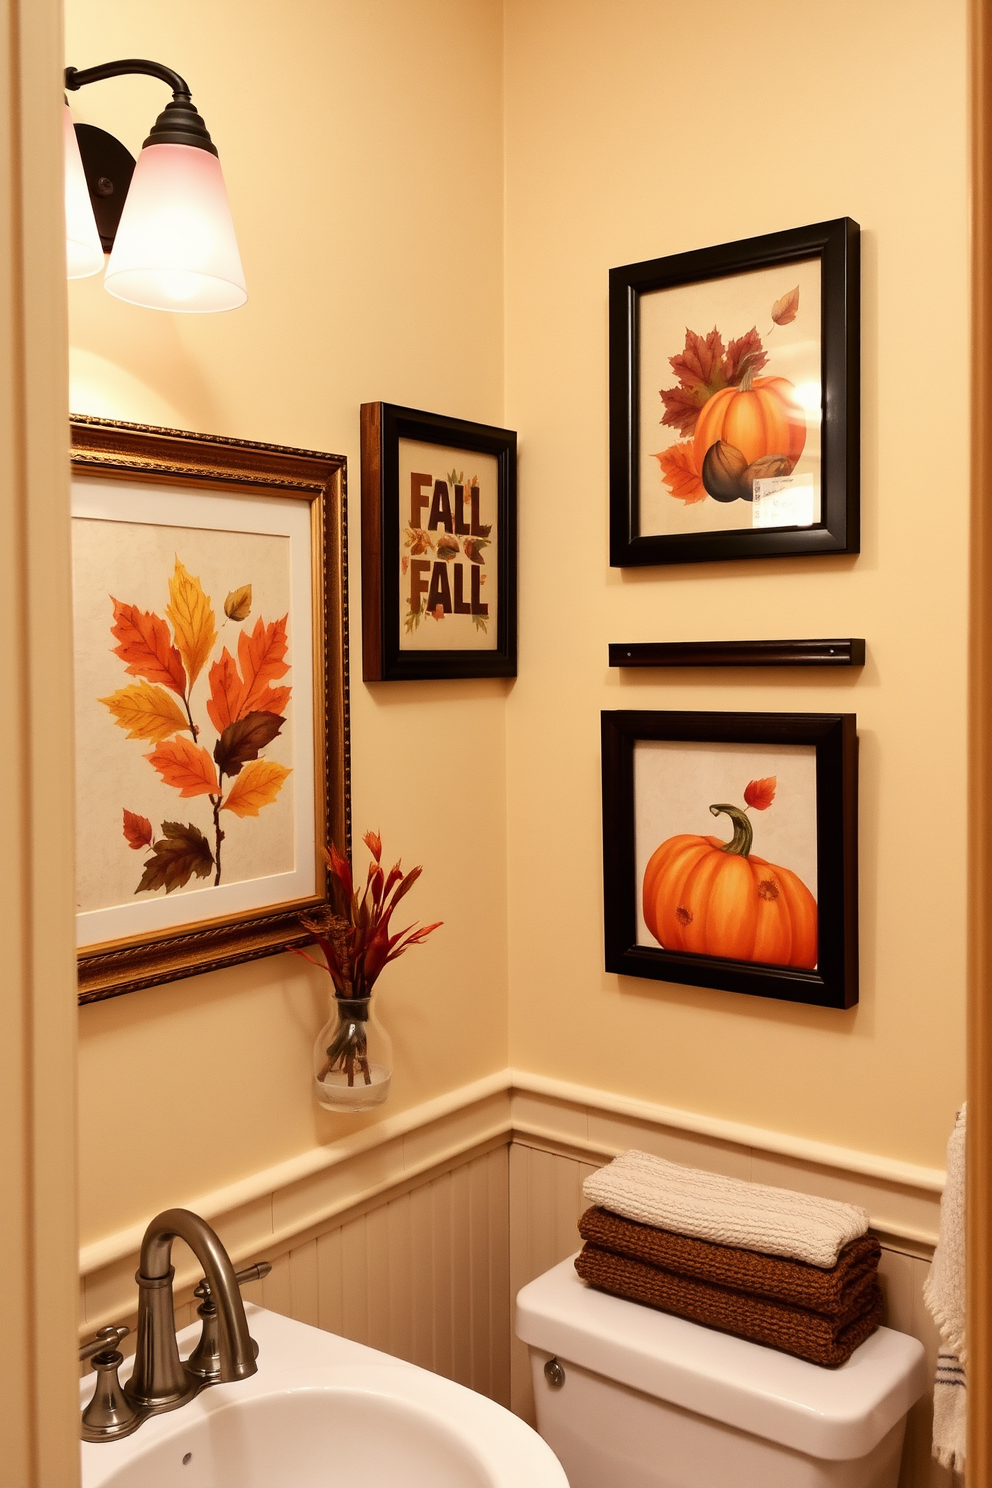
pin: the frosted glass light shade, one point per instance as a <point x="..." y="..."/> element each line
<point x="175" y="247"/>
<point x="83" y="249"/>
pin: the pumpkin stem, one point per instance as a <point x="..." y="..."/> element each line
<point x="744" y="386"/>
<point x="743" y="836"/>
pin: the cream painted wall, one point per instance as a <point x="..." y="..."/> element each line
<point x="637" y="129"/>
<point x="362" y="147"/>
<point x="374" y="255"/>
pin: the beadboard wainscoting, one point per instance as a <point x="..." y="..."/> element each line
<point x="415" y="1234"/>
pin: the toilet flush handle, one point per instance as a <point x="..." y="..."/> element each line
<point x="554" y="1374"/>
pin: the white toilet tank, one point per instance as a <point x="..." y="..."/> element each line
<point x="628" y="1397"/>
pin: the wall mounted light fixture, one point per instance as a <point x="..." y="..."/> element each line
<point x="165" y="219"/>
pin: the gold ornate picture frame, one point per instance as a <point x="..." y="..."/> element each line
<point x="211" y="654"/>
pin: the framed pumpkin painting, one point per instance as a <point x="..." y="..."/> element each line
<point x="730" y="851"/>
<point x="439" y="546"/>
<point x="735" y="400"/>
<point x="211" y="698"/>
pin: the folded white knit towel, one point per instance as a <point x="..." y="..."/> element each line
<point x="727" y="1211"/>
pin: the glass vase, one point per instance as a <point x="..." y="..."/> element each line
<point x="352" y="1058"/>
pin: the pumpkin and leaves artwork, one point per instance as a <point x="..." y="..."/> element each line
<point x="737" y="421"/>
<point x="713" y="897"/>
<point x="208" y="742"/>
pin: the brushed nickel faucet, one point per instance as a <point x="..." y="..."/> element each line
<point x="160" y="1380"/>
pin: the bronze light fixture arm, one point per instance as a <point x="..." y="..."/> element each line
<point x="177" y="124"/>
<point x="76" y="77"/>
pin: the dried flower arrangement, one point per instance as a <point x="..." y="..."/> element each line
<point x="353" y="932"/>
<point x="354" y="937"/>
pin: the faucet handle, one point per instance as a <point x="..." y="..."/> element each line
<point x="253" y="1273"/>
<point x="108" y="1415"/>
<point x="105" y="1342"/>
<point x="204" y="1361"/>
<point x="250" y="1273"/>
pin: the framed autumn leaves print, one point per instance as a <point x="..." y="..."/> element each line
<point x="439" y="546"/>
<point x="211" y="697"/>
<point x="730" y="851"/>
<point x="734" y="400"/>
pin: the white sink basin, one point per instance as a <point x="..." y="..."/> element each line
<point x="323" y="1412"/>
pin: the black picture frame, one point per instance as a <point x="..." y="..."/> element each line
<point x="834" y="981"/>
<point x="837" y="245"/>
<point x="384" y="659"/>
<point x="834" y="651"/>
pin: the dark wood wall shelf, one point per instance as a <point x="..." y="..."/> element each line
<point x="846" y="652"/>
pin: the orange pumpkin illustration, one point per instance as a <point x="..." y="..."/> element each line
<point x="713" y="898"/>
<point x="760" y="417"/>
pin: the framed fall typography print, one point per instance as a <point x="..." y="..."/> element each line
<point x="439" y="546"/>
<point x="730" y="851"/>
<point x="211" y="698"/>
<point x="735" y="400"/>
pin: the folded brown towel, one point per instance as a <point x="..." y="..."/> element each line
<point x="794" y="1330"/>
<point x="796" y="1282"/>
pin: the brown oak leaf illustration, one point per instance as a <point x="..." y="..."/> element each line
<point x="179" y="853"/>
<point x="418" y="541"/>
<point x="244" y="740"/>
<point x="237" y="605"/>
<point x="785" y="310"/>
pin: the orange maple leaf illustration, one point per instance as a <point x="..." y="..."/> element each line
<point x="258" y="785"/>
<point x="224" y="702"/>
<point x="146" y="712"/>
<point x="761" y="793"/>
<point x="146" y="646"/>
<point x="137" y="830"/>
<point x="192" y="618"/>
<point x="269" y="700"/>
<point x="186" y="766"/>
<point x="261" y="657"/>
<point x="679" y="473"/>
<point x="701" y="363"/>
<point x="231" y="698"/>
<point x="744" y="354"/>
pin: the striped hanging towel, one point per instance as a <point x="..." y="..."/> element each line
<point x="944" y="1294"/>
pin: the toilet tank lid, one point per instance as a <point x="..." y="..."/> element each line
<point x="837" y="1414"/>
